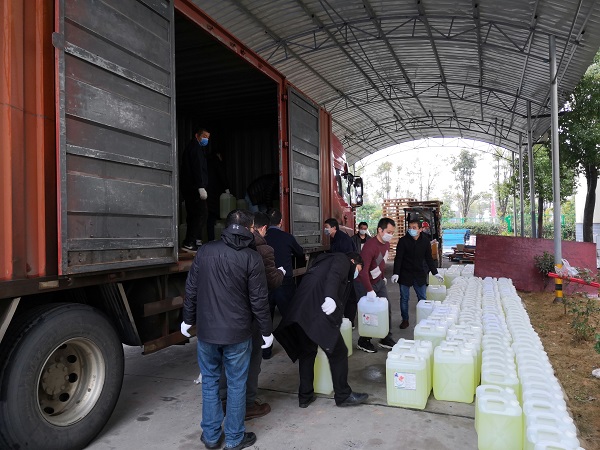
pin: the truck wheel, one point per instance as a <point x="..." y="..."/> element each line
<point x="60" y="377"/>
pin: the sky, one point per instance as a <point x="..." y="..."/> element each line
<point x="433" y="153"/>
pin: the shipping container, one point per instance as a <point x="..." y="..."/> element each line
<point x="98" y="100"/>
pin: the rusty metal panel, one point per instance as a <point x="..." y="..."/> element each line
<point x="305" y="169"/>
<point x="27" y="150"/>
<point x="117" y="163"/>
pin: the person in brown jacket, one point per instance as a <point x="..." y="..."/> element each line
<point x="255" y="408"/>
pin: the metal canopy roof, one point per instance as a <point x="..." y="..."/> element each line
<point x="394" y="71"/>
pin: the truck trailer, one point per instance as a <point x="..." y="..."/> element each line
<point x="98" y="100"/>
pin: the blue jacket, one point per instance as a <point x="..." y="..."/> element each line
<point x="285" y="247"/>
<point x="341" y="243"/>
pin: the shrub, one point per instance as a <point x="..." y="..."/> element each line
<point x="544" y="263"/>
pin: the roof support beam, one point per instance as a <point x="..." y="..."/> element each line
<point x="479" y="52"/>
<point x="521" y="193"/>
<point x="555" y="162"/>
<point x="531" y="171"/>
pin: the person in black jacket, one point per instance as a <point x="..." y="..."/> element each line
<point x="413" y="253"/>
<point x="362" y="236"/>
<point x="339" y="242"/>
<point x="286" y="248"/>
<point x="314" y="319"/>
<point x="226" y="290"/>
<point x="193" y="183"/>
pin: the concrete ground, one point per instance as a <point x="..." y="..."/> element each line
<point x="160" y="406"/>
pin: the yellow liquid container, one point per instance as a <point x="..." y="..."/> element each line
<point x="425" y="308"/>
<point x="373" y="318"/>
<point x="433" y="281"/>
<point x="436" y="292"/>
<point x="433" y="333"/>
<point x="227" y="203"/>
<point x="346" y="330"/>
<point x="500" y="424"/>
<point x="322" y="383"/>
<point x="453" y="374"/>
<point x="490" y="389"/>
<point x="219" y="227"/>
<point x="500" y="377"/>
<point x="406" y="380"/>
<point x="449" y="277"/>
<point x="538" y="435"/>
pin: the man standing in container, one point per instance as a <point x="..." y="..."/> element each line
<point x="371" y="281"/>
<point x="339" y="242"/>
<point x="194" y="182"/>
<point x="286" y="248"/>
<point x="314" y="319"/>
<point x="226" y="290"/>
<point x="413" y="254"/>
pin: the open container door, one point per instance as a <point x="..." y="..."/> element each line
<point x="305" y="171"/>
<point x="116" y="145"/>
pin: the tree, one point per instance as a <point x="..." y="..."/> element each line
<point x="463" y="167"/>
<point x="383" y="174"/>
<point x="501" y="187"/>
<point x="580" y="137"/>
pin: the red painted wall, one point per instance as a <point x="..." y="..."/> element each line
<point x="512" y="257"/>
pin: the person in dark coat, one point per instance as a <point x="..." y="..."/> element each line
<point x="413" y="253"/>
<point x="339" y="241"/>
<point x="193" y="184"/>
<point x="314" y="319"/>
<point x="362" y="236"/>
<point x="263" y="191"/>
<point x="254" y="408"/>
<point x="286" y="249"/>
<point x="225" y="292"/>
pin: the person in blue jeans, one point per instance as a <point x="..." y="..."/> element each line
<point x="225" y="292"/>
<point x="413" y="254"/>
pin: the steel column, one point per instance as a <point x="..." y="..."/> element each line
<point x="531" y="171"/>
<point x="522" y="203"/>
<point x="514" y="197"/>
<point x="555" y="166"/>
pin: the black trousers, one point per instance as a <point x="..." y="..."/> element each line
<point x="197" y="212"/>
<point x="351" y="306"/>
<point x="338" y="363"/>
<point x="282" y="297"/>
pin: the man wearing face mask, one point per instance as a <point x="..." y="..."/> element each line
<point x="372" y="282"/>
<point x="361" y="238"/>
<point x="413" y="254"/>
<point x="314" y="319"/>
<point x="194" y="181"/>
<point x="339" y="241"/>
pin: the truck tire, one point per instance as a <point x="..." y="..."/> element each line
<point x="61" y="371"/>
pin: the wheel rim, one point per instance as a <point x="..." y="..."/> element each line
<point x="71" y="382"/>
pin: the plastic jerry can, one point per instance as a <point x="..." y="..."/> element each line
<point x="453" y="374"/>
<point x="490" y="389"/>
<point x="373" y="318"/>
<point x="406" y="380"/>
<point x="543" y="434"/>
<point x="501" y="377"/>
<point x="435" y="292"/>
<point x="241" y="203"/>
<point x="219" y="227"/>
<point x="500" y="426"/>
<point x="433" y="281"/>
<point x="346" y="330"/>
<point x="433" y="333"/>
<point x="227" y="203"/>
<point x="322" y="382"/>
<point x="555" y="420"/>
<point x="424" y="309"/>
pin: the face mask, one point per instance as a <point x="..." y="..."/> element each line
<point x="387" y="237"/>
<point x="413" y="233"/>
<point x="203" y="142"/>
<point x="327" y="231"/>
<point x="355" y="273"/>
<point x="363" y="232"/>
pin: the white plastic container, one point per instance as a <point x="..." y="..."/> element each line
<point x="491" y="389"/>
<point x="433" y="333"/>
<point x="424" y="309"/>
<point x="373" y="318"/>
<point x="406" y="380"/>
<point x="346" y="330"/>
<point x="500" y="377"/>
<point x="436" y="292"/>
<point x="322" y="383"/>
<point x="227" y="203"/>
<point x="500" y="424"/>
<point x="537" y="435"/>
<point x="453" y="374"/>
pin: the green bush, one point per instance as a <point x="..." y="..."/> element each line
<point x="544" y="263"/>
<point x="494" y="229"/>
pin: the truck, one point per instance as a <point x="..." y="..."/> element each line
<point x="98" y="99"/>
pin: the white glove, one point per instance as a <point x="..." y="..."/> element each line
<point x="203" y="194"/>
<point x="328" y="305"/>
<point x="184" y="329"/>
<point x="371" y="294"/>
<point x="394" y="278"/>
<point x="439" y="277"/>
<point x="282" y="269"/>
<point x="268" y="341"/>
<point x="385" y="281"/>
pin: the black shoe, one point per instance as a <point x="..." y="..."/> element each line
<point x="215" y="444"/>
<point x="305" y="403"/>
<point x="354" y="399"/>
<point x="267" y="353"/>
<point x="366" y="346"/>
<point x="248" y="440"/>
<point x="404" y="324"/>
<point x="386" y="342"/>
